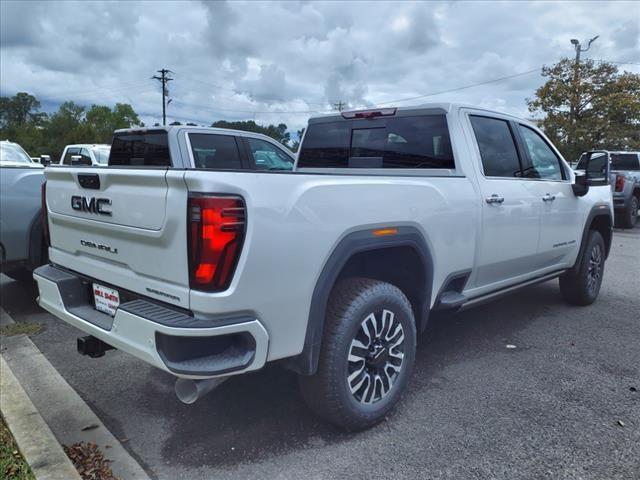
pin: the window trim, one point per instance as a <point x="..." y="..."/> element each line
<point x="525" y="151"/>
<point x="241" y="152"/>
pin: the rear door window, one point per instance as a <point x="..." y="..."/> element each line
<point x="400" y="142"/>
<point x="149" y="148"/>
<point x="218" y="152"/>
<point x="497" y="147"/>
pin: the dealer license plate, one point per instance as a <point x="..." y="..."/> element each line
<point x="106" y="299"/>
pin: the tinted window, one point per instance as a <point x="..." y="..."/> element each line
<point x="218" y="152"/>
<point x="326" y="145"/>
<point x="140" y="149"/>
<point x="267" y="156"/>
<point x="497" y="148"/>
<point x="625" y="161"/>
<point x="544" y="162"/>
<point x="70" y="152"/>
<point x="400" y="142"/>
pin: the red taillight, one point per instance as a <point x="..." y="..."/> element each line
<point x="44" y="216"/>
<point x="382" y="112"/>
<point x="216" y="232"/>
<point x="619" y="183"/>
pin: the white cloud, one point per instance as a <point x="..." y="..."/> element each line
<point x="269" y="61"/>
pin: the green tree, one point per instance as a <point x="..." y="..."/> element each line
<point x="102" y="121"/>
<point x="277" y="132"/>
<point x="22" y="122"/>
<point x="295" y="145"/>
<point x="589" y="105"/>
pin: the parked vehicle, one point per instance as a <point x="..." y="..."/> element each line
<point x="21" y="246"/>
<point x="85" y="154"/>
<point x="625" y="181"/>
<point x="332" y="269"/>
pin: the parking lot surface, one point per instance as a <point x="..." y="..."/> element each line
<point x="564" y="403"/>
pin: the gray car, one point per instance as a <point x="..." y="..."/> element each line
<point x="21" y="233"/>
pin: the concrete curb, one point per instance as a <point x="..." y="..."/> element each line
<point x="61" y="407"/>
<point x="35" y="439"/>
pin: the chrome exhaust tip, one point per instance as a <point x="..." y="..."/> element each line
<point x="189" y="391"/>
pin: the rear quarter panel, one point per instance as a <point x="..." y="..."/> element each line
<point x="295" y="220"/>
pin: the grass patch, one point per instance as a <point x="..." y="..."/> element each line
<point x="21" y="328"/>
<point x="12" y="465"/>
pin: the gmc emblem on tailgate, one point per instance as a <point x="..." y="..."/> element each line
<point x="91" y="205"/>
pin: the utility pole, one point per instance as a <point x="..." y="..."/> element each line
<point x="339" y="106"/>
<point x="164" y="78"/>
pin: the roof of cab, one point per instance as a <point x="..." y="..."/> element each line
<point x="436" y="107"/>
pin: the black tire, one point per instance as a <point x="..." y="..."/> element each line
<point x="22" y="275"/>
<point x="349" y="316"/>
<point x="581" y="284"/>
<point x="630" y="215"/>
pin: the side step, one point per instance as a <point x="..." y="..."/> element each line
<point x="451" y="301"/>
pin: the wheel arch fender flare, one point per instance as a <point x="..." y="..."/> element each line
<point x="596" y="212"/>
<point x="353" y="243"/>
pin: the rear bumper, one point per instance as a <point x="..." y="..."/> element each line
<point x="160" y="336"/>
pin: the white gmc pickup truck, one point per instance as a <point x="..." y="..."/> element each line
<point x="333" y="268"/>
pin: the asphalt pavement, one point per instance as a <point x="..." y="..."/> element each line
<point x="563" y="404"/>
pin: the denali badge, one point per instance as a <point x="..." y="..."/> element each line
<point x="99" y="246"/>
<point x="91" y="205"/>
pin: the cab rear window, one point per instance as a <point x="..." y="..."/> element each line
<point x="399" y="142"/>
<point x="625" y="161"/>
<point x="148" y="148"/>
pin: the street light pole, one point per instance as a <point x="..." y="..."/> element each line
<point x="573" y="110"/>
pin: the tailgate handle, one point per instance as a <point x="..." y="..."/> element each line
<point x="89" y="180"/>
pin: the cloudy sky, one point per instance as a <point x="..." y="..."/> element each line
<point x="277" y="62"/>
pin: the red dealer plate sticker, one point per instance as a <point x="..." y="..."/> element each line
<point x="106" y="299"/>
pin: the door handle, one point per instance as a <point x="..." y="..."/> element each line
<point x="494" y="199"/>
<point x="548" y="198"/>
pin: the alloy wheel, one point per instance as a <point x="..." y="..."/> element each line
<point x="375" y="357"/>
<point x="594" y="271"/>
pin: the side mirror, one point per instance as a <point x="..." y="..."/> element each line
<point x="80" y="160"/>
<point x="596" y="172"/>
<point x="45" y="160"/>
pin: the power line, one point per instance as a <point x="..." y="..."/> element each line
<point x="486" y="82"/>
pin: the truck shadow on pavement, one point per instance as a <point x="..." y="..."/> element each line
<point x="251" y="417"/>
<point x="255" y="416"/>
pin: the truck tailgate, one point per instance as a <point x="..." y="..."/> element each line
<point x="113" y="225"/>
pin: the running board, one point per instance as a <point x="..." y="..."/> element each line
<point x="451" y="301"/>
<point x="473" y="302"/>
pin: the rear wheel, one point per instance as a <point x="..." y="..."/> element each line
<point x="368" y="351"/>
<point x="630" y="215"/>
<point x="581" y="284"/>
